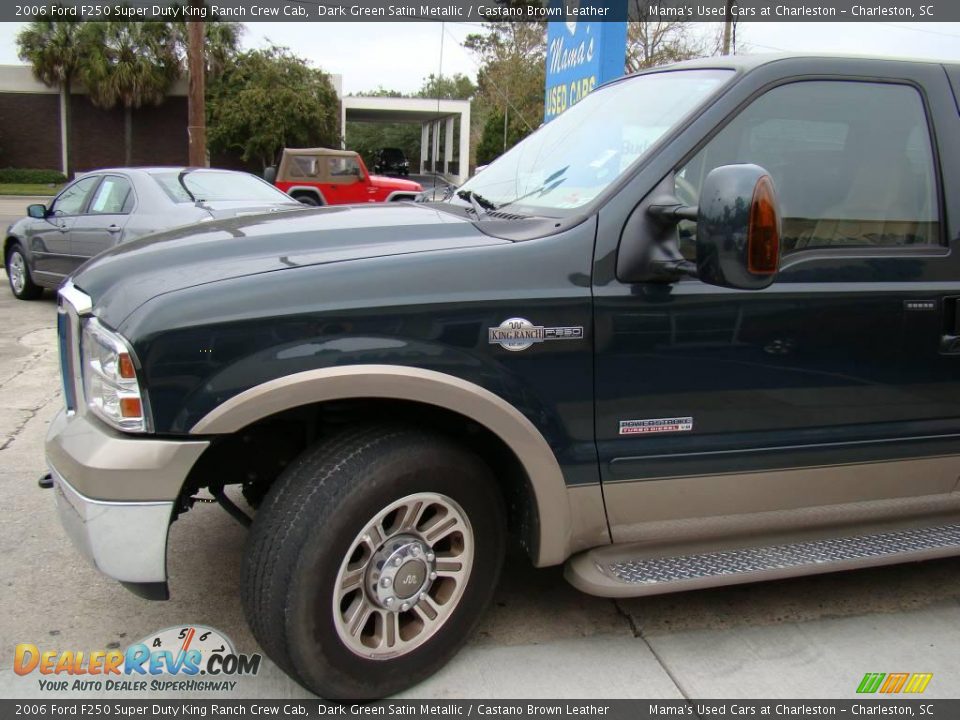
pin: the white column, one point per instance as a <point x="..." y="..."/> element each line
<point x="447" y="145"/>
<point x="63" y="132"/>
<point x="463" y="171"/>
<point x="436" y="146"/>
<point x="424" y="139"/>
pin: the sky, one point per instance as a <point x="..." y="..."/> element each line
<point x="399" y="55"/>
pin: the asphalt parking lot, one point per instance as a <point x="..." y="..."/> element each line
<point x="805" y="638"/>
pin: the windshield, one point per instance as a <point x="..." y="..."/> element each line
<point x="210" y="186"/>
<point x="572" y="159"/>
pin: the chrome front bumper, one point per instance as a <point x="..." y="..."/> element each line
<point x="116" y="495"/>
<point x="124" y="540"/>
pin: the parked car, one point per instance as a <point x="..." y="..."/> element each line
<point x="321" y="176"/>
<point x="391" y="160"/>
<point x="104" y="208"/>
<point x="592" y="346"/>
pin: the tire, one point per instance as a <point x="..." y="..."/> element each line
<point x="18" y="273"/>
<point x="307" y="199"/>
<point x="318" y="528"/>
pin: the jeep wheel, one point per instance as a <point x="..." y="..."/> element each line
<point x="18" y="273"/>
<point x="307" y="199"/>
<point x="372" y="559"/>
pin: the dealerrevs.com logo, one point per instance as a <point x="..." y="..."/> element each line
<point x="182" y="659"/>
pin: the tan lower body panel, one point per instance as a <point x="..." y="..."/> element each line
<point x="768" y="502"/>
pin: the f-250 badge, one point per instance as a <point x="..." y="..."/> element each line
<point x="518" y="334"/>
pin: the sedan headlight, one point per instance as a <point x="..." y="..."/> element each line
<point x="110" y="384"/>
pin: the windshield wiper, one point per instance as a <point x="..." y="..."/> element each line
<point x="551" y="183"/>
<point x="481" y="206"/>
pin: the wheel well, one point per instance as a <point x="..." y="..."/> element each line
<point x="255" y="456"/>
<point x="7" y="244"/>
<point x="312" y="193"/>
<point x="398" y="198"/>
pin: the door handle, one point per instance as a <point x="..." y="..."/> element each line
<point x="113" y="228"/>
<point x="950" y="340"/>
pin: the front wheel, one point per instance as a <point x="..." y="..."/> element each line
<point x="372" y="559"/>
<point x="307" y="199"/>
<point x="18" y="273"/>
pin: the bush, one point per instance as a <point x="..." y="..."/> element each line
<point x="31" y="176"/>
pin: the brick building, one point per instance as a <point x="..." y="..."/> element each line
<point x="31" y="131"/>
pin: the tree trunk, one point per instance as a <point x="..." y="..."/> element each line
<point x="128" y="135"/>
<point x="67" y="128"/>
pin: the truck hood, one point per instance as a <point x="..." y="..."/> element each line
<point x="125" y="277"/>
<point x="391" y="183"/>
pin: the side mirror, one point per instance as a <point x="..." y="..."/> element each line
<point x="738" y="228"/>
<point x="738" y="232"/>
<point x="270" y="174"/>
<point x="37" y="211"/>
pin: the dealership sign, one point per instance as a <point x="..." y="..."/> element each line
<point x="581" y="56"/>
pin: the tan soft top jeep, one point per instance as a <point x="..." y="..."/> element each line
<point x="323" y="176"/>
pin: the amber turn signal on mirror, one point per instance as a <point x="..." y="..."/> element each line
<point x="763" y="231"/>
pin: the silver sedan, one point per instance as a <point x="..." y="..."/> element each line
<point x="103" y="208"/>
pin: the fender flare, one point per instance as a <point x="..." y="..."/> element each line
<point x="424" y="386"/>
<point x="408" y="194"/>
<point x="308" y="189"/>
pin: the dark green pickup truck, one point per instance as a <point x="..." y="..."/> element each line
<point x="700" y="329"/>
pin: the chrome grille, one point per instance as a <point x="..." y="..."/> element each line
<point x="66" y="332"/>
<point x="71" y="304"/>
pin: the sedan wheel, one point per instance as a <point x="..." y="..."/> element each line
<point x="18" y="273"/>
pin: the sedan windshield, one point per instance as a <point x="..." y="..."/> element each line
<point x="211" y="186"/>
<point x="572" y="159"/>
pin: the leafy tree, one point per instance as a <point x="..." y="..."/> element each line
<point x="129" y="64"/>
<point x="266" y="100"/>
<point x="448" y="87"/>
<point x="56" y="51"/>
<point x="510" y="81"/>
<point x="492" y="143"/>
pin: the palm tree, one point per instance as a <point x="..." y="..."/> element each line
<point x="131" y="64"/>
<point x="221" y="40"/>
<point x="57" y="51"/>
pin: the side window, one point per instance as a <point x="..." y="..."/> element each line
<point x="343" y="167"/>
<point x="304" y="166"/>
<point x="113" y="197"/>
<point x="72" y="200"/>
<point x="852" y="163"/>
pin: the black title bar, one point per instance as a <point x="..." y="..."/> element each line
<point x="480" y="10"/>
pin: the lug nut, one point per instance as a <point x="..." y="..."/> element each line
<point x="404" y="607"/>
<point x="396" y="562"/>
<point x="433" y="575"/>
<point x="385" y="582"/>
<point x="388" y="601"/>
<point x="431" y="557"/>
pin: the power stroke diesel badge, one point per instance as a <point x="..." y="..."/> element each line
<point x="517" y="334"/>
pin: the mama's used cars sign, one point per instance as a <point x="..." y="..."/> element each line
<point x="580" y="56"/>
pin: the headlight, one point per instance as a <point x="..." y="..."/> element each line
<point x="110" y="384"/>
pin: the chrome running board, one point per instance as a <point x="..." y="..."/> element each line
<point x="628" y="571"/>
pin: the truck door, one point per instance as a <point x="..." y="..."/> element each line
<point x="830" y="386"/>
<point x="101" y="227"/>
